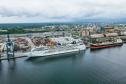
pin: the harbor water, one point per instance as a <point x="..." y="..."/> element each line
<point x="104" y="66"/>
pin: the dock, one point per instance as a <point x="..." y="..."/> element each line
<point x="17" y="55"/>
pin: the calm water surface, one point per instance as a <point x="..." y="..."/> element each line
<point x="106" y="66"/>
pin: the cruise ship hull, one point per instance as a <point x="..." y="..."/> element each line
<point x="58" y="52"/>
<point x="54" y="54"/>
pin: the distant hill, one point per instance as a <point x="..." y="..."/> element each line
<point x="79" y="21"/>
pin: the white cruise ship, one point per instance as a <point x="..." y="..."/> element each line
<point x="68" y="45"/>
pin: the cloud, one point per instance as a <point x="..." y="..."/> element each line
<point x="60" y="10"/>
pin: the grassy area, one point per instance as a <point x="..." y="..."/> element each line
<point x="22" y="31"/>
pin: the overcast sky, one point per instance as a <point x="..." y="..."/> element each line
<point x="13" y="11"/>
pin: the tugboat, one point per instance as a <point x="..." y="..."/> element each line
<point x="99" y="41"/>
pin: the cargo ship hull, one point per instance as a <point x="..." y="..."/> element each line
<point x="94" y="46"/>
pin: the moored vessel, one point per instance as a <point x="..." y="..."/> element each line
<point x="63" y="45"/>
<point x="105" y="41"/>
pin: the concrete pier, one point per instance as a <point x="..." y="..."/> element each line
<point x="17" y="55"/>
